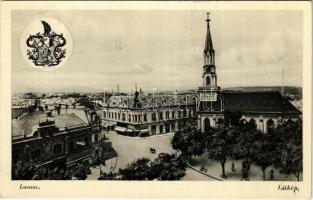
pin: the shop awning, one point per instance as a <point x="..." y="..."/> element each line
<point x="81" y="143"/>
<point x="144" y="131"/>
<point x="106" y="124"/>
<point x="130" y="130"/>
<point x="120" y="129"/>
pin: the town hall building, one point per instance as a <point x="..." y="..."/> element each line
<point x="265" y="108"/>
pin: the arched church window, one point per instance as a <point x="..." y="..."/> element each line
<point x="270" y="126"/>
<point x="252" y="123"/>
<point x="206" y="125"/>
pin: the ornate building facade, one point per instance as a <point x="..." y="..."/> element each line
<point x="147" y="114"/>
<point x="50" y="139"/>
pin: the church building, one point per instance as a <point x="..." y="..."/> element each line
<point x="265" y="108"/>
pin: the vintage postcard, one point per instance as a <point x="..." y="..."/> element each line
<point x="156" y="99"/>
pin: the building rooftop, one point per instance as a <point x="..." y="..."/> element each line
<point x="28" y="123"/>
<point x="150" y="101"/>
<point x="255" y="102"/>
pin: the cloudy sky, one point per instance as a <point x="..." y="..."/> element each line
<point x="163" y="50"/>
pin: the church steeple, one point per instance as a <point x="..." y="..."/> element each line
<point x="209" y="75"/>
<point x="208" y="52"/>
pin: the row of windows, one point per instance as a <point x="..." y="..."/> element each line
<point x="140" y="118"/>
<point x="35" y="155"/>
<point x="172" y="115"/>
<point x="58" y="149"/>
<point x="163" y="128"/>
<point x="269" y="124"/>
<point x="122" y="116"/>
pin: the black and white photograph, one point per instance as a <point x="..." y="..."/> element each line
<point x="157" y="95"/>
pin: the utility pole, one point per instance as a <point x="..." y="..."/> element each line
<point x="282" y="81"/>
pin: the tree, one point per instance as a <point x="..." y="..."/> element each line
<point x="81" y="171"/>
<point x="167" y="167"/>
<point x="244" y="147"/>
<point x="182" y="140"/>
<point x="190" y="142"/>
<point x="137" y="170"/>
<point x="232" y="118"/>
<point x="29" y="171"/>
<point x="221" y="141"/>
<point x="219" y="146"/>
<point x="263" y="151"/>
<point x="109" y="176"/>
<point x="164" y="167"/>
<point x="23" y="171"/>
<point x="288" y="138"/>
<point x="291" y="160"/>
<point x="198" y="142"/>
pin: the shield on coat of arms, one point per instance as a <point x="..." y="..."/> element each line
<point x="47" y="48"/>
<point x="46" y="44"/>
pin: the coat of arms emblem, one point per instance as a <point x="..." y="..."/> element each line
<point x="47" y="48"/>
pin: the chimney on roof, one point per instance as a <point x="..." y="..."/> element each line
<point x="49" y="114"/>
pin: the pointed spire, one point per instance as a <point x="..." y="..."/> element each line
<point x="208" y="41"/>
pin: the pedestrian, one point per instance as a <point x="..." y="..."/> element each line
<point x="272" y="174"/>
<point x="233" y="167"/>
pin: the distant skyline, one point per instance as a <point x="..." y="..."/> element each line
<point x="163" y="50"/>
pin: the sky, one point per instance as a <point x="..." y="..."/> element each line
<point x="164" y="50"/>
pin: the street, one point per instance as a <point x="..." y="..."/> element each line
<point x="131" y="148"/>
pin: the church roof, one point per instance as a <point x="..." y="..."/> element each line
<point x="255" y="102"/>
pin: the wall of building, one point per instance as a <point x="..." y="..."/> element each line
<point x="43" y="150"/>
<point x="263" y="121"/>
<point x="157" y="122"/>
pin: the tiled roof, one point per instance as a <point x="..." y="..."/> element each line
<point x="255" y="102"/>
<point x="27" y="123"/>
